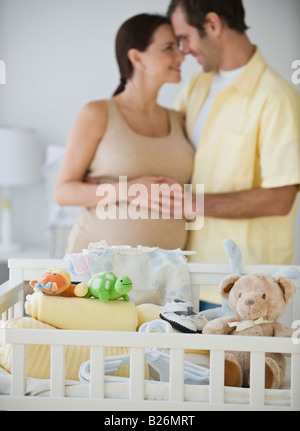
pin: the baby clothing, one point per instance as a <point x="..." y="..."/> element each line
<point x="157" y="275"/>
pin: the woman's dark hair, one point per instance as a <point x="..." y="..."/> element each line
<point x="231" y="11"/>
<point x="135" y="33"/>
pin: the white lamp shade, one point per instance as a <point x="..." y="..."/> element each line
<point x="21" y="157"/>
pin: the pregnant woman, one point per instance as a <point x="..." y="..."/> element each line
<point x="131" y="137"/>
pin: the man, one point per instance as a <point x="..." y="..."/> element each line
<point x="243" y="119"/>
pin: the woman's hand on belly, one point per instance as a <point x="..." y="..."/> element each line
<point x="159" y="194"/>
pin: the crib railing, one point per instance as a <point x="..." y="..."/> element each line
<point x="12" y="305"/>
<point x="177" y="343"/>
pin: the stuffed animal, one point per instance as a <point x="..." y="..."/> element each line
<point x="105" y="286"/>
<point x="235" y="258"/>
<point x="54" y="282"/>
<point x="258" y="301"/>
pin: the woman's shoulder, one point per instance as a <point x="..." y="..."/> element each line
<point x="95" y="107"/>
<point x="94" y="115"/>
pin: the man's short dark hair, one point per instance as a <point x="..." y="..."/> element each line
<point x="231" y="11"/>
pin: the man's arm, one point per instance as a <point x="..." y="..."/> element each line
<point x="250" y="203"/>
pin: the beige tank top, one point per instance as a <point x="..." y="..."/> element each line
<point x="123" y="152"/>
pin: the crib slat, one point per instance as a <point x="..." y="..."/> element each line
<point x="217" y="359"/>
<point x="18" y="370"/>
<point x="11" y="314"/>
<point x="257" y="379"/>
<point x="295" y="381"/>
<point x="137" y="374"/>
<point x="57" y="371"/>
<point x="19" y="306"/>
<point x="97" y="372"/>
<point x="176" y="387"/>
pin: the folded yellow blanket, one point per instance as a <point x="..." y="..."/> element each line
<point x="82" y="314"/>
<point x="38" y="357"/>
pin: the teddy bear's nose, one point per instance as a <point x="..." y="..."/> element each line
<point x="249" y="302"/>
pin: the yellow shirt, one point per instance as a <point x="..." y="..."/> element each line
<point x="251" y="139"/>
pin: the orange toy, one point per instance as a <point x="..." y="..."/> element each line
<point x="54" y="282"/>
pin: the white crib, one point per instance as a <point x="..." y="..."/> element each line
<point x="135" y="393"/>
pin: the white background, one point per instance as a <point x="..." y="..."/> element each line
<point x="59" y="55"/>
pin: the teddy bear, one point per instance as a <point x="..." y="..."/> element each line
<point x="258" y="301"/>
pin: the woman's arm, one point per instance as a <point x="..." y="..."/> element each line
<point x="73" y="188"/>
<point x="88" y="129"/>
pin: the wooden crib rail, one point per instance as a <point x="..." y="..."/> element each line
<point x="12" y="305"/>
<point x="137" y="342"/>
<point x="11" y="294"/>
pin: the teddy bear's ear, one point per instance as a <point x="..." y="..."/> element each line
<point x="287" y="287"/>
<point x="227" y="284"/>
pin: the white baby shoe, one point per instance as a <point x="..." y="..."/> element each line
<point x="179" y="313"/>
